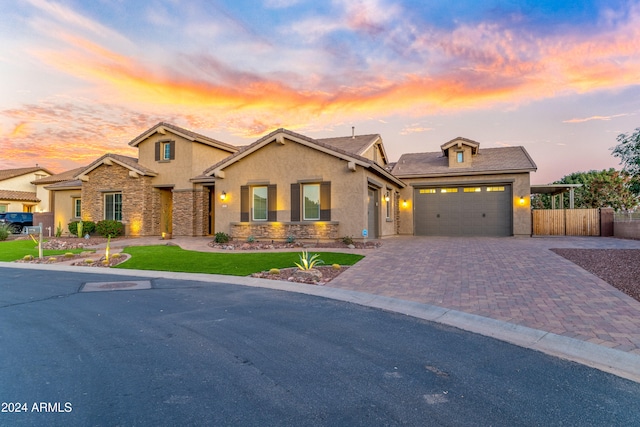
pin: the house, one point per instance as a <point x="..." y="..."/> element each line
<point x="466" y="191"/>
<point x="154" y="194"/>
<point x="19" y="194"/>
<point x="290" y="185"/>
<point x="286" y="184"/>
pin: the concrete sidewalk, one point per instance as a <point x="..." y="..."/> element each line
<point x="513" y="289"/>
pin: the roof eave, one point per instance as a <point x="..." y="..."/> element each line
<point x="464" y="173"/>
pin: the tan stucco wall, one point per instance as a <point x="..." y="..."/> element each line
<point x="191" y="159"/>
<point x="23" y="183"/>
<point x="290" y="163"/>
<point x="520" y="186"/>
<point x="63" y="208"/>
<point x="467" y="157"/>
<point x="374" y="153"/>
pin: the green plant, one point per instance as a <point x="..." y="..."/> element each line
<point x="28" y="258"/>
<point x="69" y="255"/>
<point x="274" y="271"/>
<point x="87" y="227"/>
<point x="307" y="262"/>
<point x="80" y="228"/>
<point x="347" y="240"/>
<point x="59" y="230"/>
<point x="251" y="239"/>
<point x="291" y="239"/>
<point x="5" y="231"/>
<point x="110" y="228"/>
<point x="335" y="266"/>
<point x="221" y="237"/>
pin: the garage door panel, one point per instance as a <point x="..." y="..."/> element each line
<point x="476" y="211"/>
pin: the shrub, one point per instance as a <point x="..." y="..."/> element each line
<point x="221" y="237"/>
<point x="28" y="258"/>
<point x="307" y="262"/>
<point x="274" y="271"/>
<point x="335" y="266"/>
<point x="5" y="231"/>
<point x="69" y="255"/>
<point x="59" y="230"/>
<point x="110" y="228"/>
<point x="347" y="240"/>
<point x="291" y="239"/>
<point x="87" y="227"/>
<point x="251" y="239"/>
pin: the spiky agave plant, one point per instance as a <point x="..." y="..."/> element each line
<point x="307" y="262"/>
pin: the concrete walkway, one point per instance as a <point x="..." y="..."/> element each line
<point x="514" y="289"/>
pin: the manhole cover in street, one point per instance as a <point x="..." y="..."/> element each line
<point x="116" y="286"/>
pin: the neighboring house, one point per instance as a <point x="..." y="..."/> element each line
<point x="286" y="184"/>
<point x="19" y="194"/>
<point x="289" y="185"/>
<point x="465" y="191"/>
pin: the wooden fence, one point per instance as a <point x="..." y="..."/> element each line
<point x="566" y="222"/>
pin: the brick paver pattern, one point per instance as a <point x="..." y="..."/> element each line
<point x="516" y="280"/>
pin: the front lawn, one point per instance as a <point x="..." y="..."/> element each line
<point x="17" y="249"/>
<point x="174" y="258"/>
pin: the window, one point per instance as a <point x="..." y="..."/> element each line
<point x="113" y="206"/>
<point x="472" y="189"/>
<point x="448" y="190"/>
<point x="259" y="199"/>
<point x="311" y="202"/>
<point x="258" y="203"/>
<point x="165" y="151"/>
<point x="3" y="208"/>
<point x="427" y="191"/>
<point x="460" y="156"/>
<point x="77" y="207"/>
<point x="495" y="188"/>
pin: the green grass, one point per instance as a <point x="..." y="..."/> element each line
<point x="174" y="258"/>
<point x="17" y="249"/>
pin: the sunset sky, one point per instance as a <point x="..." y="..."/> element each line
<point x="82" y="78"/>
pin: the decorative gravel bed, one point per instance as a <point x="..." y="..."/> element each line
<point x="618" y="267"/>
<point x="287" y="275"/>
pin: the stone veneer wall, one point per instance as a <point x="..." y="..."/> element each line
<point x="282" y="230"/>
<point x="189" y="212"/>
<point x="136" y="198"/>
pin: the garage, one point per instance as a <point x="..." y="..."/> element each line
<point x="481" y="210"/>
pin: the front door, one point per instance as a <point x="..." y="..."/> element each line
<point x="372" y="214"/>
<point x="166" y="210"/>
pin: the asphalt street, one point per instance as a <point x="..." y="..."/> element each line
<point x="194" y="353"/>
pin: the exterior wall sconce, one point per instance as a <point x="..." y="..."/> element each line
<point x="223" y="196"/>
<point x="387" y="198"/>
<point x="521" y="200"/>
<point x="404" y="203"/>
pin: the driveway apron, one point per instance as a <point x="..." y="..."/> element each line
<point x="515" y="280"/>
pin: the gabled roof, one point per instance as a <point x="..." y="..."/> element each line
<point x="279" y="136"/>
<point x="12" y="173"/>
<point x="22" y="196"/>
<point x="163" y="128"/>
<point x="459" y="141"/>
<point x="59" y="177"/>
<point x="357" y="144"/>
<point x="488" y="160"/>
<point x="130" y="163"/>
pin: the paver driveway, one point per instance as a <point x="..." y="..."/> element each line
<point x="516" y="280"/>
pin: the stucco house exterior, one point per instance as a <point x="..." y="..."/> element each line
<point x="286" y="184"/>
<point x="290" y="185"/>
<point x="18" y="193"/>
<point x="466" y="191"/>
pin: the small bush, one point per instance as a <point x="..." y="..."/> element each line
<point x="69" y="255"/>
<point x="52" y="259"/>
<point x="110" y="228"/>
<point x="5" y="231"/>
<point x="274" y="271"/>
<point x="87" y="227"/>
<point x="89" y="261"/>
<point x="114" y="256"/>
<point x="28" y="258"/>
<point x="221" y="237"/>
<point x="347" y="240"/>
<point x="291" y="239"/>
<point x="335" y="266"/>
<point x="251" y="239"/>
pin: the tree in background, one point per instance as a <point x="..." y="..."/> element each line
<point x="628" y="150"/>
<point x="600" y="189"/>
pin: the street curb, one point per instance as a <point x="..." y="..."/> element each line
<point x="623" y="364"/>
